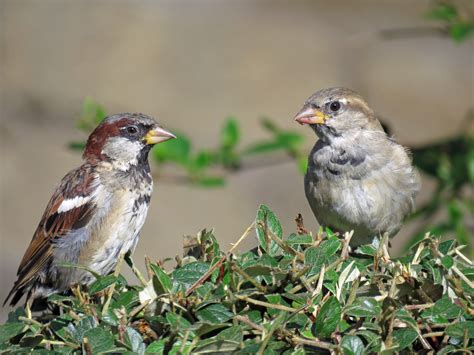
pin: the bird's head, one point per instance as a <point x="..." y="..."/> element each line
<point x="125" y="139"/>
<point x="336" y="111"/>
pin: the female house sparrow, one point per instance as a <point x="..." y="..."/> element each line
<point x="97" y="211"/>
<point x="358" y="178"/>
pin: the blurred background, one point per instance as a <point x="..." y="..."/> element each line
<point x="228" y="77"/>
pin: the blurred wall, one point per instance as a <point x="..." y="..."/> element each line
<point x="190" y="64"/>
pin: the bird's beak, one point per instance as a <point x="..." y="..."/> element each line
<point x="158" y="135"/>
<point x="310" y="115"/>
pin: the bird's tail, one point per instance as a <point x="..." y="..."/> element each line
<point x="16" y="293"/>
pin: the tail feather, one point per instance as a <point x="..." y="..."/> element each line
<point x="16" y="292"/>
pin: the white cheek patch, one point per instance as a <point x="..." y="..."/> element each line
<point x="71" y="203"/>
<point x="122" y="151"/>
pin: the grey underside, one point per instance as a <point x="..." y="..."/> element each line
<point x="368" y="188"/>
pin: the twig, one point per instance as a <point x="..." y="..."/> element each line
<point x="138" y="274"/>
<point x="463" y="277"/>
<point x="246" y="233"/>
<point x="248" y="278"/>
<point x="184" y="341"/>
<point x="247" y="321"/>
<point x="312" y="342"/>
<point x="266" y="304"/>
<point x="138" y="308"/>
<point x="285" y="246"/>
<point x="433" y="334"/>
<point x="411" y="307"/>
<point x="148" y="267"/>
<point x="111" y="289"/>
<point x="32" y="321"/>
<point x="300" y="228"/>
<point x="316" y="277"/>
<point x="463" y="257"/>
<point x="57" y="342"/>
<point x="204" y="277"/>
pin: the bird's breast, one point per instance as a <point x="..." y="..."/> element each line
<point x="121" y="215"/>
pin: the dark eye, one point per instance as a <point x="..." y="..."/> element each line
<point x="132" y="130"/>
<point x="335" y="106"/>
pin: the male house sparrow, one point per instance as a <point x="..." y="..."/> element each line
<point x="358" y="178"/>
<point x="97" y="211"/>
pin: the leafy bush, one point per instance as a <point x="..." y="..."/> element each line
<point x="299" y="294"/>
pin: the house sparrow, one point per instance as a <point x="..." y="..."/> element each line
<point x="97" y="211"/>
<point x="358" y="178"/>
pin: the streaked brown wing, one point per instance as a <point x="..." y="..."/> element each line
<point x="56" y="223"/>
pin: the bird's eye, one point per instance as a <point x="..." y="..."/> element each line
<point x="335" y="106"/>
<point x="132" y="130"/>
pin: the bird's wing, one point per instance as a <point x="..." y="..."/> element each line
<point x="70" y="208"/>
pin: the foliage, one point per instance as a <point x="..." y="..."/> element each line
<point x="459" y="22"/>
<point x="294" y="295"/>
<point x="451" y="164"/>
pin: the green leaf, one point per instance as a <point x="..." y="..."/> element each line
<point x="444" y="12"/>
<point x="214" y="314"/>
<point x="101" y="284"/>
<point x="264" y="147"/>
<point x="295" y="239"/>
<point x="373" y="340"/>
<point x="404" y="337"/>
<point x="77" y="145"/>
<point x="175" y="150"/>
<point x="127" y="299"/>
<point x="31" y="341"/>
<point x="289" y="140"/>
<point x="352" y="345"/>
<point x="177" y="322"/>
<point x="9" y="330"/>
<point x="82" y="326"/>
<point x="233" y="333"/>
<point x="14" y="315"/>
<point x="459" y="31"/>
<point x="204" y="159"/>
<point x="442" y="311"/>
<point x="447" y="261"/>
<point x="458" y="330"/>
<point x="230" y="133"/>
<point x="190" y="273"/>
<point x="163" y="278"/>
<point x="364" y="307"/>
<point x="446" y="246"/>
<point x="134" y="340"/>
<point x="157" y="347"/>
<point x="268" y="223"/>
<point x="328" y="318"/>
<point x="302" y="165"/>
<point x="317" y="256"/>
<point x="92" y="114"/>
<point x="99" y="339"/>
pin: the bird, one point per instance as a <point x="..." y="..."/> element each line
<point x="358" y="178"/>
<point x="97" y="211"/>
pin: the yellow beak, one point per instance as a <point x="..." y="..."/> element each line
<point x="158" y="135"/>
<point x="310" y="116"/>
